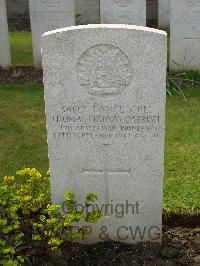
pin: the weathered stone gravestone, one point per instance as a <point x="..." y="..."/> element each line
<point x="5" y="59"/>
<point x="185" y="35"/>
<point x="105" y="110"/>
<point x="48" y="15"/>
<point x="131" y="12"/>
<point x="87" y="11"/>
<point x="164" y="14"/>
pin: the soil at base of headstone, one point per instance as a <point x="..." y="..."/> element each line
<point x="180" y="246"/>
<point x="21" y="75"/>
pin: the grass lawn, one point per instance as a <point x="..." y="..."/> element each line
<point x="22" y="128"/>
<point x="23" y="135"/>
<point x="182" y="155"/>
<point x="21" y="48"/>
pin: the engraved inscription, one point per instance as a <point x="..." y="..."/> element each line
<point x="51" y="3"/>
<point x="104" y="70"/>
<point x="123" y="3"/>
<point x="195" y="34"/>
<point x="193" y="3"/>
<point x="98" y="122"/>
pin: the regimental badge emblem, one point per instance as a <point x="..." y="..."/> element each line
<point x="104" y="70"/>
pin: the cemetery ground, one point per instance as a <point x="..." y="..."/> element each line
<point x="23" y="143"/>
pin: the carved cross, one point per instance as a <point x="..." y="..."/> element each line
<point x="105" y="171"/>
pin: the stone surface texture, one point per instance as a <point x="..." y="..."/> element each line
<point x="105" y="108"/>
<point x="48" y="15"/>
<point x="87" y="11"/>
<point x="5" y="59"/>
<point x="131" y="12"/>
<point x="185" y="35"/>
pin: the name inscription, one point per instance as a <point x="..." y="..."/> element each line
<point x="51" y="3"/>
<point x="123" y="3"/>
<point x="106" y="122"/>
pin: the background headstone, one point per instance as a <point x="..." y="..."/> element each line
<point x="164" y="14"/>
<point x="5" y="59"/>
<point x="48" y="15"/>
<point x="131" y="12"/>
<point x="87" y="11"/>
<point x="185" y="35"/>
<point x="105" y="88"/>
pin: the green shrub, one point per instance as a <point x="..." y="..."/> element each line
<point x="30" y="225"/>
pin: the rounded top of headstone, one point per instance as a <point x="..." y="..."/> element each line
<point x="106" y="26"/>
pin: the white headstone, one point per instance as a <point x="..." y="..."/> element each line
<point x="131" y="12"/>
<point x="105" y="108"/>
<point x="48" y="15"/>
<point x="5" y="59"/>
<point x="87" y="11"/>
<point x="185" y="35"/>
<point x="164" y="14"/>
